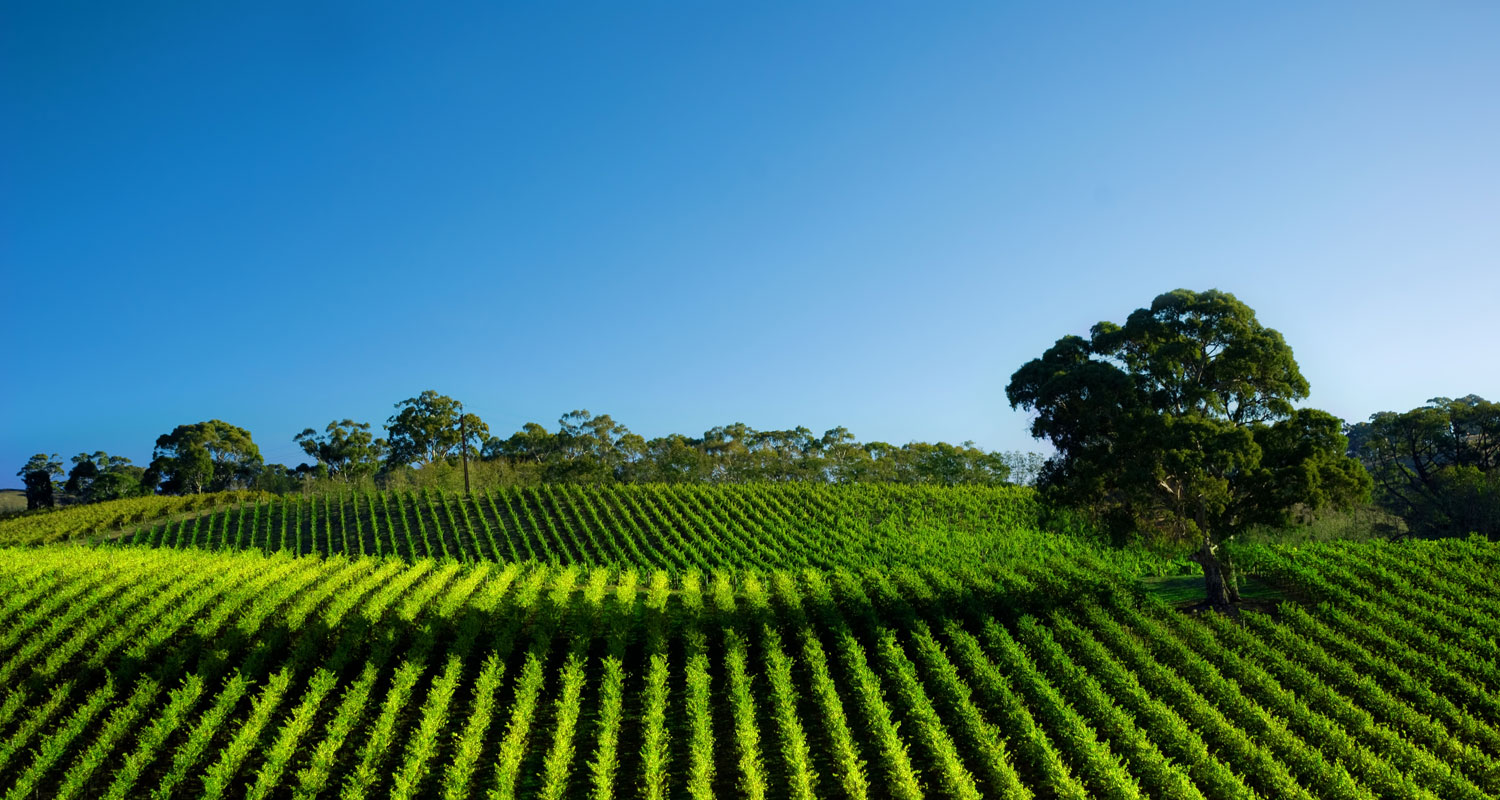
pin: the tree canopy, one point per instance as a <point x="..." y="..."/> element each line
<point x="424" y="443"/>
<point x="1438" y="465"/>
<point x="346" y="448"/>
<point x="209" y="456"/>
<point x="38" y="473"/>
<point x="429" y="428"/>
<point x="597" y="449"/>
<point x="1181" y="422"/>
<point x="100" y="476"/>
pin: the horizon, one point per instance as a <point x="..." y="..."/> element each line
<point x="686" y="217"/>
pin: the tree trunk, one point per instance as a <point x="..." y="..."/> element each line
<point x="1231" y="577"/>
<point x="1218" y="576"/>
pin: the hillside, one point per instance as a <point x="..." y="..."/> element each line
<point x="958" y="667"/>
<point x="86" y="521"/>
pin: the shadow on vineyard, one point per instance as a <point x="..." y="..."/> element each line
<point x="597" y="609"/>
<point x="1257" y="593"/>
<point x="998" y="662"/>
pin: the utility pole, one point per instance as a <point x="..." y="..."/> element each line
<point x="463" y="446"/>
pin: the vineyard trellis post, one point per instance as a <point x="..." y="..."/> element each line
<point x="463" y="446"/>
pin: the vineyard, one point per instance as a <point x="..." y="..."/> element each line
<point x="675" y="528"/>
<point x="740" y="665"/>
<point x="98" y="518"/>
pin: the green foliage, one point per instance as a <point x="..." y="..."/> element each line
<point x="82" y="475"/>
<point x="346" y="448"/>
<point x="99" y="476"/>
<point x="143" y="672"/>
<point x="1181" y="421"/>
<point x="41" y="462"/>
<point x="211" y="456"/>
<point x="1359" y="523"/>
<point x="656" y="526"/>
<point x="95" y="519"/>
<point x="1438" y="466"/>
<point x="431" y="427"/>
<point x="596" y="449"/>
<point x="38" y="473"/>
<point x="39" y="493"/>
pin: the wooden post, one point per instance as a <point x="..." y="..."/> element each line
<point x="463" y="446"/>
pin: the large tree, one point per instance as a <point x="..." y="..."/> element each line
<point x="1438" y="466"/>
<point x="205" y="456"/>
<point x="38" y="473"/>
<point x="89" y="466"/>
<point x="430" y="427"/>
<point x="346" y="448"/>
<point x="1181" y="422"/>
<point x="100" y="476"/>
<point x="119" y="482"/>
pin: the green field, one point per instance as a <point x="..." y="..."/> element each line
<point x="784" y="642"/>
<point x="12" y="501"/>
<point x="675" y="528"/>
<point x="93" y="520"/>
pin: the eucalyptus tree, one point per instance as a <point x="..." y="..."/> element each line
<point x="592" y="449"/>
<point x="432" y="427"/>
<point x="951" y="465"/>
<point x="345" y="447"/>
<point x="1438" y="465"/>
<point x="1181" y="422"/>
<point x="844" y="460"/>
<point x="38" y="473"/>
<point x="89" y="467"/>
<point x="204" y="456"/>
<point x="533" y="444"/>
<point x="674" y="458"/>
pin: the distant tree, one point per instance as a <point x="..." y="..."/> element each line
<point x="119" y="482"/>
<point x="346" y="448"/>
<point x="1024" y="467"/>
<point x="1437" y="466"/>
<point x="278" y="479"/>
<point x="39" y="491"/>
<point x="591" y="449"/>
<point x="81" y="475"/>
<point x="205" y="456"/>
<point x="38" y="473"/>
<point x="41" y="462"/>
<point x="533" y="444"/>
<point x="426" y="428"/>
<point x="844" y="459"/>
<point x="883" y="464"/>
<point x="949" y="465"/>
<point x="728" y="447"/>
<point x="87" y="467"/>
<point x="1181" y="422"/>
<point x="304" y="474"/>
<point x="675" y="458"/>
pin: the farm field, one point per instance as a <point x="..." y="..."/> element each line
<point x="675" y="528"/>
<point x="971" y="656"/>
<point x="97" y="518"/>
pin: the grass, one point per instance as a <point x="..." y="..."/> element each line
<point x="1187" y="590"/>
<point x="12" y="501"/>
<point x="1361" y="523"/>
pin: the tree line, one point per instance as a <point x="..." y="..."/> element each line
<point x="1437" y="465"/>
<point x="1181" y="422"/>
<point x="430" y="435"/>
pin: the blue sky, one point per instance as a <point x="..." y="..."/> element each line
<point x="692" y="214"/>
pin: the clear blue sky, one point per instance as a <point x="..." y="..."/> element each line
<point x="278" y="214"/>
